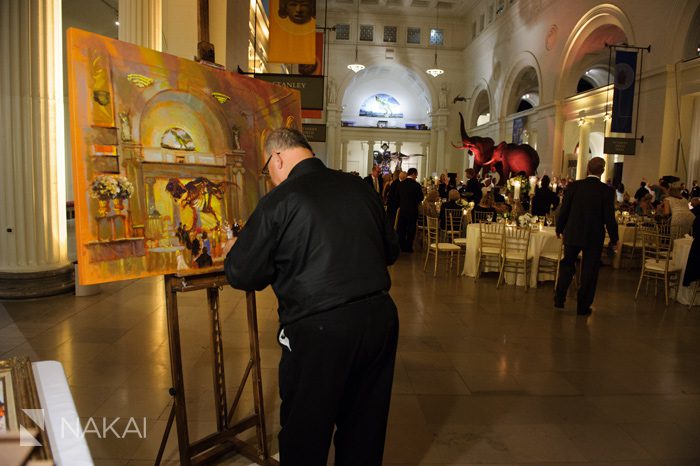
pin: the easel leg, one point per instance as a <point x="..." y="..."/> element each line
<point x="179" y="407"/>
<point x="217" y="360"/>
<point x="257" y="375"/>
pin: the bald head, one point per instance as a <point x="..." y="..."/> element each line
<point x="596" y="166"/>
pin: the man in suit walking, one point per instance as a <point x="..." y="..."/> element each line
<point x="410" y="195"/>
<point x="375" y="180"/>
<point x="587" y="210"/>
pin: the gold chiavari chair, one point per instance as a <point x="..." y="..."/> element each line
<point x="490" y="244"/>
<point x="515" y="253"/>
<point x="460" y="229"/>
<point x="549" y="262"/>
<point x="480" y="217"/>
<point x="436" y="248"/>
<point x="453" y="224"/>
<point x="657" y="264"/>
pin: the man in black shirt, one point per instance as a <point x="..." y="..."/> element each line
<point x="321" y="240"/>
<point x="410" y="195"/>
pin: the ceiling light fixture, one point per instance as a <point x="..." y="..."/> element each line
<point x="356" y="66"/>
<point x="435" y="71"/>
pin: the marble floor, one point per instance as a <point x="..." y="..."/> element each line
<point x="483" y="376"/>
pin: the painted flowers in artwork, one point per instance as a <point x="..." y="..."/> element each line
<point x="106" y="187"/>
<point x="125" y="188"/>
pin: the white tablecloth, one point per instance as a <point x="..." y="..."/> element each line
<point x="626" y="233"/>
<point x="57" y="403"/>
<point x="681" y="250"/>
<point x="540" y="241"/>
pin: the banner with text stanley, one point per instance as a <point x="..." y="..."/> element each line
<point x="310" y="87"/>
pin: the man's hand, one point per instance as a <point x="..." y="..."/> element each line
<point x="229" y="244"/>
<point x="559" y="236"/>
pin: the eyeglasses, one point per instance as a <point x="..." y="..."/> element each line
<point x="265" y="171"/>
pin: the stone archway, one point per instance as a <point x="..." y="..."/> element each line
<point x="481" y="107"/>
<point x="413" y="94"/>
<point x="522" y="90"/>
<point x="585" y="48"/>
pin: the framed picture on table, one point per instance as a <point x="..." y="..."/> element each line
<point x="21" y="416"/>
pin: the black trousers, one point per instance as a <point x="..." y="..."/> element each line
<point x="337" y="368"/>
<point x="406" y="230"/>
<point x="590" y="264"/>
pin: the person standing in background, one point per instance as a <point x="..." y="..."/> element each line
<point x="588" y="209"/>
<point x="410" y="195"/>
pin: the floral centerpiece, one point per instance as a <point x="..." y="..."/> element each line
<point x="525" y="220"/>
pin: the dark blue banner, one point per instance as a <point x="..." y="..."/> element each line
<point x="623" y="95"/>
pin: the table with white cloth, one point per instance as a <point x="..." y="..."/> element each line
<point x="59" y="410"/>
<point x="681" y="251"/>
<point x="626" y="234"/>
<point x="540" y="241"/>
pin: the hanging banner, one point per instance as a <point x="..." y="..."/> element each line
<point x="518" y="128"/>
<point x="317" y="68"/>
<point x="310" y="87"/>
<point x="293" y="31"/>
<point x="623" y="95"/>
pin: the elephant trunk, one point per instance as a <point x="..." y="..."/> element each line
<point x="463" y="130"/>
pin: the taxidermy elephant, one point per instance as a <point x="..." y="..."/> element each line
<point x="505" y="158"/>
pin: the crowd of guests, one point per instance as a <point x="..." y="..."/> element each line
<point x="662" y="200"/>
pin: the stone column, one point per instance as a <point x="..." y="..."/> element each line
<point x="333" y="157"/>
<point x="584" y="134"/>
<point x="558" y="163"/>
<point x="439" y="128"/>
<point x="33" y="236"/>
<point x="343" y="156"/>
<point x="141" y="23"/>
<point x="424" y="148"/>
<point x="370" y="156"/>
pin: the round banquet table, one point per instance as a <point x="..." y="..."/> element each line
<point x="540" y="241"/>
<point x="626" y="234"/>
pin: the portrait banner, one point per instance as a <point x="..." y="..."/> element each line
<point x="293" y="31"/>
<point x="623" y="95"/>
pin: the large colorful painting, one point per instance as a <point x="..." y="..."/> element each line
<point x="166" y="156"/>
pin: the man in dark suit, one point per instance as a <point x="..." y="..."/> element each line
<point x="473" y="188"/>
<point x="587" y="210"/>
<point x="410" y="195"/>
<point x="375" y="180"/>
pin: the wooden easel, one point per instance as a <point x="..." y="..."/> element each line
<point x="225" y="438"/>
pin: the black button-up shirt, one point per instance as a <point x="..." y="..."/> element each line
<point x="319" y="238"/>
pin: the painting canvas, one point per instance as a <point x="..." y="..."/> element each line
<point x="166" y="156"/>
